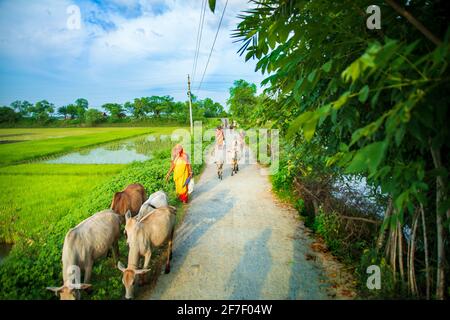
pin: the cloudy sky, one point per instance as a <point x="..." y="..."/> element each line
<point x="123" y="49"/>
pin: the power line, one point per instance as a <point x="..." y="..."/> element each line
<point x="212" y="48"/>
<point x="199" y="38"/>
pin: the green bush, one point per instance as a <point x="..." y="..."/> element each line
<point x="93" y="117"/>
<point x="327" y="225"/>
<point x="390" y="288"/>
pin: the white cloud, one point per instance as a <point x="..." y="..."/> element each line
<point x="119" y="55"/>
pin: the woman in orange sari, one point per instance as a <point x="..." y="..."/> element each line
<point x="182" y="171"/>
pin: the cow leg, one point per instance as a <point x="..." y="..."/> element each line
<point x="142" y="277"/>
<point x="115" y="252"/>
<point x="87" y="274"/>
<point x="147" y="257"/>
<point x="169" y="253"/>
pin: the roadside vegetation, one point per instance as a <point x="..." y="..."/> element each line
<point x="358" y="107"/>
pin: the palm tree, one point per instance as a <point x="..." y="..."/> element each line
<point x="63" y="111"/>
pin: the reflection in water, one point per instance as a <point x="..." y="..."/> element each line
<point x="126" y="151"/>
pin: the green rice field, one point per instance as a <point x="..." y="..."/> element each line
<point x="21" y="145"/>
<point x="37" y="193"/>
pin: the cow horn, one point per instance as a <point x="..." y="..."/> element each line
<point x="120" y="266"/>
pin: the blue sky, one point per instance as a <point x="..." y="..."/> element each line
<point x="124" y="49"/>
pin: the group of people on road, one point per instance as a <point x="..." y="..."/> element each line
<point x="229" y="146"/>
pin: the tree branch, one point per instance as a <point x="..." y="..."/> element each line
<point x="360" y="219"/>
<point x="416" y="23"/>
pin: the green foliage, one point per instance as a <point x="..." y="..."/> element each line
<point x="327" y="225"/>
<point x="212" y="5"/>
<point x="8" y="115"/>
<point x="389" y="286"/>
<point x="152" y="110"/>
<point x="243" y="100"/>
<point x="41" y="111"/>
<point x="352" y="100"/>
<point x="21" y="107"/>
<point x="93" y="117"/>
<point x="115" y="110"/>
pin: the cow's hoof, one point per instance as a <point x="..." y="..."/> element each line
<point x="167" y="270"/>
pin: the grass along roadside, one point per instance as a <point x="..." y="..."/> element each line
<point x="57" y="141"/>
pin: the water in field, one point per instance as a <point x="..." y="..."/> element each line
<point x="4" y="250"/>
<point x="120" y="152"/>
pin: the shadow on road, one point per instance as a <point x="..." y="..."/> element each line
<point x="306" y="281"/>
<point x="247" y="279"/>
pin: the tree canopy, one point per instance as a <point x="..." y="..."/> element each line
<point x="369" y="102"/>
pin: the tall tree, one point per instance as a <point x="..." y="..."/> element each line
<point x="63" y="111"/>
<point x="8" y="115"/>
<point x="81" y="106"/>
<point x="41" y="111"/>
<point x="22" y="107"/>
<point x="140" y="107"/>
<point x="72" y="111"/>
<point x="242" y="99"/>
<point x="115" y="110"/>
<point x="159" y="104"/>
<point x="93" y="116"/>
<point x="211" y="108"/>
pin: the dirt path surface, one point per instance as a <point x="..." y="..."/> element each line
<point x="238" y="242"/>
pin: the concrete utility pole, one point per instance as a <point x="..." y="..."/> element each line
<point x="190" y="104"/>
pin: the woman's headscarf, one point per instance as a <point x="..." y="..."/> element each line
<point x="177" y="151"/>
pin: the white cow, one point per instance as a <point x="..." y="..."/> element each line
<point x="156" y="200"/>
<point x="87" y="242"/>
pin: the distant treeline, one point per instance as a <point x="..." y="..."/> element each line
<point x="141" y="110"/>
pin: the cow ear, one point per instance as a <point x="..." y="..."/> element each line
<point x="141" y="271"/>
<point x="84" y="286"/>
<point x="55" y="289"/>
<point x="120" y="266"/>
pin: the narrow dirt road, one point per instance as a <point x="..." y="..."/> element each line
<point x="238" y="242"/>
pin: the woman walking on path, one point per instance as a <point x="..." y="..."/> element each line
<point x="182" y="172"/>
